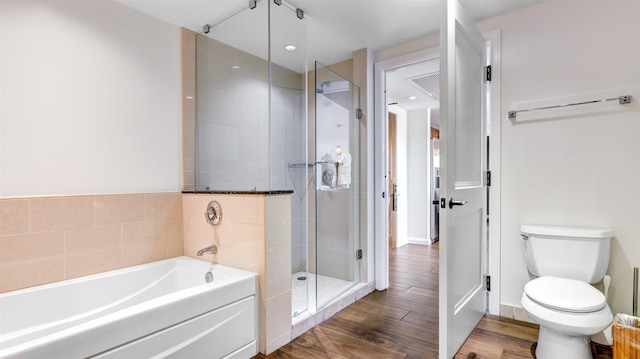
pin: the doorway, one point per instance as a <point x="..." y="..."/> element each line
<point x="381" y="200"/>
<point x="402" y="74"/>
<point x="413" y="93"/>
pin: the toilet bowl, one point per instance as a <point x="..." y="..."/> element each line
<point x="569" y="312"/>
<point x="564" y="261"/>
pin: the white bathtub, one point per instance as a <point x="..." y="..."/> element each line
<point x="156" y="310"/>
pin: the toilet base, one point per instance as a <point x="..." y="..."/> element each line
<point x="553" y="345"/>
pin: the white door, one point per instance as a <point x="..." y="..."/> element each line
<point x="462" y="153"/>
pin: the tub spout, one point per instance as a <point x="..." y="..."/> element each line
<point x="211" y="249"/>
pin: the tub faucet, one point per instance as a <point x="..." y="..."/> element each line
<point x="211" y="249"/>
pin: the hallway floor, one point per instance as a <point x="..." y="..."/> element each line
<point x="402" y="321"/>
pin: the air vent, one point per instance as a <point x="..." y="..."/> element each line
<point x="430" y="84"/>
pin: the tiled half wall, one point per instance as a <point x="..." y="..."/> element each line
<point x="255" y="235"/>
<point x="48" y="239"/>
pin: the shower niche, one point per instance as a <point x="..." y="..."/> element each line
<point x="269" y="120"/>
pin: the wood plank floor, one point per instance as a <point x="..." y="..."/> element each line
<point x="402" y="321"/>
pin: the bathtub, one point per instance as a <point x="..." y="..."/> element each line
<point x="155" y="310"/>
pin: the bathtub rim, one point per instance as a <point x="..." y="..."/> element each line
<point x="241" y="285"/>
<point x="115" y="272"/>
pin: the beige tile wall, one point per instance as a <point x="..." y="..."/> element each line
<point x="48" y="239"/>
<point x="255" y="235"/>
<point x="278" y="272"/>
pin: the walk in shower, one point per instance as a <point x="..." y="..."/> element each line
<point x="327" y="264"/>
<point x="270" y="120"/>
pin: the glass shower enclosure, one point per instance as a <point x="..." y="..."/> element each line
<point x="268" y="120"/>
<point x="337" y="184"/>
<point x="334" y="209"/>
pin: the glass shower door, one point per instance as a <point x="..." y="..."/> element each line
<point x="336" y="182"/>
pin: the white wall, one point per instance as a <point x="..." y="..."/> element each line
<point x="581" y="169"/>
<point x="90" y="99"/>
<point x="418" y="185"/>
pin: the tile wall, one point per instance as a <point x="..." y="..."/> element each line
<point x="255" y="235"/>
<point x="48" y="239"/>
<point x="188" y="107"/>
<point x="233" y="117"/>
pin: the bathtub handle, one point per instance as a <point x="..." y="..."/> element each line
<point x="213" y="215"/>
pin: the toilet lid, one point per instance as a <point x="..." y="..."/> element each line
<point x="563" y="294"/>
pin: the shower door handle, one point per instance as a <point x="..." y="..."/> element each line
<point x="455" y="203"/>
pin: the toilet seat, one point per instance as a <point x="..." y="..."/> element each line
<point x="567" y="295"/>
<point x="567" y="322"/>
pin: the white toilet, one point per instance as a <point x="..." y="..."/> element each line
<point x="564" y="261"/>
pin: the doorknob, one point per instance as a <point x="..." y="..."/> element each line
<point x="455" y="203"/>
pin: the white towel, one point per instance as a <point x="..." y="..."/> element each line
<point x="344" y="170"/>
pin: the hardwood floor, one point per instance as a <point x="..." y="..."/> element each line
<point x="402" y="321"/>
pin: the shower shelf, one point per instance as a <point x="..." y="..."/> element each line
<point x="300" y="165"/>
<point x="332" y="189"/>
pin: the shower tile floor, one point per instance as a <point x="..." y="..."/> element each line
<point x="302" y="289"/>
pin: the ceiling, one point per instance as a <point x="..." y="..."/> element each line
<point x="334" y="29"/>
<point x="415" y="87"/>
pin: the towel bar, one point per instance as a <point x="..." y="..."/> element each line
<point x="625" y="99"/>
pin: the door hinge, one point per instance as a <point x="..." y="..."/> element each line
<point x="487" y="76"/>
<point x="358" y="254"/>
<point x="487" y="282"/>
<point x="488" y="178"/>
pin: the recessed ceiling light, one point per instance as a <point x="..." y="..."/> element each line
<point x="290" y="47"/>
<point x="412" y="97"/>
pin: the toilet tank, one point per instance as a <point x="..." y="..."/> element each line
<point x="567" y="252"/>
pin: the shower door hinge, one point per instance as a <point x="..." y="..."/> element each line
<point x="253" y="4"/>
<point x="358" y="254"/>
<point x="487" y="76"/>
<point x="487" y="282"/>
<point x="359" y="113"/>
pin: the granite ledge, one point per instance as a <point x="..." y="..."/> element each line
<point x="265" y="193"/>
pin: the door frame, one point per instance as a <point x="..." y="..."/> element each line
<point x="381" y="182"/>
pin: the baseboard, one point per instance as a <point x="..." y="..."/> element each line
<point x="421" y="241"/>
<point x="515" y="313"/>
